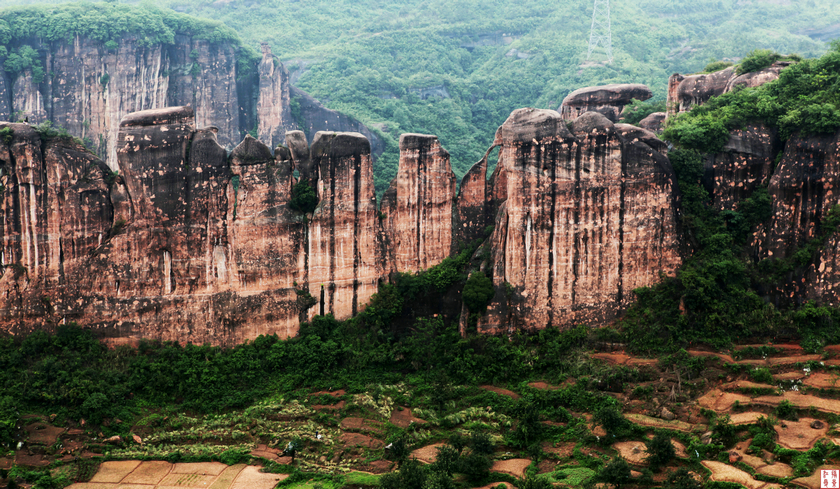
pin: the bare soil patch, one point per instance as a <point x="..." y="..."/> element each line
<point x="404" y="419"/>
<point x="43" y="433"/>
<point x="561" y="451"/>
<point x="720" y="401"/>
<point x="427" y="454"/>
<point x="777" y="469"/>
<point x="726" y="358"/>
<point x="746" y="384"/>
<point x="263" y="451"/>
<point x="750" y="417"/>
<point x="252" y="478"/>
<point x="544" y="386"/>
<point x="635" y="452"/>
<point x="726" y="473"/>
<point x="380" y="466"/>
<point x="546" y="466"/>
<point x="337" y="393"/>
<point x="114" y="471"/>
<point x="515" y="467"/>
<point x="327" y="407"/>
<point x="799" y="435"/>
<point x="35" y="460"/>
<point x="787" y="376"/>
<point x="151" y="472"/>
<point x="823" y="380"/>
<point x="679" y="448"/>
<point x="793" y="359"/>
<point x="361" y="424"/>
<point x="643" y="420"/>
<point x="494" y="485"/>
<point x="802" y="401"/>
<point x="501" y="391"/>
<point x="359" y="440"/>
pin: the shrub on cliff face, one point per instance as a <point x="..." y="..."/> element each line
<point x="477" y="292"/>
<point x="304" y="197"/>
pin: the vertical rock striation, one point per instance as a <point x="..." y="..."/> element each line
<point x="419" y="217"/>
<point x="588" y="217"/>
<point x="745" y="163"/>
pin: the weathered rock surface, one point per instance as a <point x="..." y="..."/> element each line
<point x="91" y="88"/>
<point x="589" y="217"/>
<point x="186" y="244"/>
<point x="803" y="189"/>
<point x="190" y="244"/>
<point x="419" y="217"/>
<point x="653" y="122"/>
<point x="745" y="163"/>
<point x="685" y="92"/>
<point x="607" y="100"/>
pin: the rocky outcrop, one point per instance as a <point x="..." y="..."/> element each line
<point x="186" y="243"/>
<point x="803" y="190"/>
<point x="90" y="87"/>
<point x="654" y="122"/>
<point x="274" y="115"/>
<point x="745" y="163"/>
<point x="685" y="92"/>
<point x="607" y="100"/>
<point x="419" y="215"/>
<point x="589" y="217"/>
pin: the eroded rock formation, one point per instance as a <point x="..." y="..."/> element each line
<point x="745" y="163"/>
<point x="418" y="218"/>
<point x="803" y="189"/>
<point x="589" y="217"/>
<point x="607" y="100"/>
<point x="91" y="87"/>
<point x="192" y="244"/>
<point x="685" y="92"/>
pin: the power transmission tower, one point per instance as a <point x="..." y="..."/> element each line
<point x="601" y="32"/>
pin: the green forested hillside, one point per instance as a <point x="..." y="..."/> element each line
<point x="458" y="68"/>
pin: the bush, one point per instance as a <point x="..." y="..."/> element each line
<point x="617" y="473"/>
<point x="682" y="479"/>
<point x="477" y="292"/>
<point x="476" y="467"/>
<point x="715" y="66"/>
<point x="660" y="450"/>
<point x="611" y="419"/>
<point x="304" y="197"/>
<point x="786" y="410"/>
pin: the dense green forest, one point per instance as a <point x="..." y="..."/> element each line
<point x="457" y="69"/>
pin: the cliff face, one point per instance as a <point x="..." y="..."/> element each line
<point x="420" y="214"/>
<point x="90" y="88"/>
<point x="745" y="163"/>
<point x="190" y="244"/>
<point x="588" y="217"/>
<point x="803" y="189"/>
<point x="186" y="244"/>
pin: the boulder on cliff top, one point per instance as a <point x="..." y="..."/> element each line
<point x="654" y="121"/>
<point x="613" y="94"/>
<point x="339" y="144"/>
<point x="251" y="151"/>
<point x="526" y="125"/>
<point x="631" y="133"/>
<point x="158" y="117"/>
<point x="416" y="141"/>
<point x="593" y="122"/>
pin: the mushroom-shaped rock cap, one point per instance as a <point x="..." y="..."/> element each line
<point x="158" y="117"/>
<point x="592" y="122"/>
<point x="615" y="94"/>
<point x="414" y="141"/>
<point x="251" y="151"/>
<point x="632" y="133"/>
<point x="527" y="125"/>
<point x="339" y="144"/>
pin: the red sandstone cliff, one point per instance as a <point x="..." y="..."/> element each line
<point x="91" y="88"/>
<point x="418" y="218"/>
<point x="589" y="217"/>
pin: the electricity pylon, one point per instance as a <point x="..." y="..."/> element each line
<point x="601" y="32"/>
